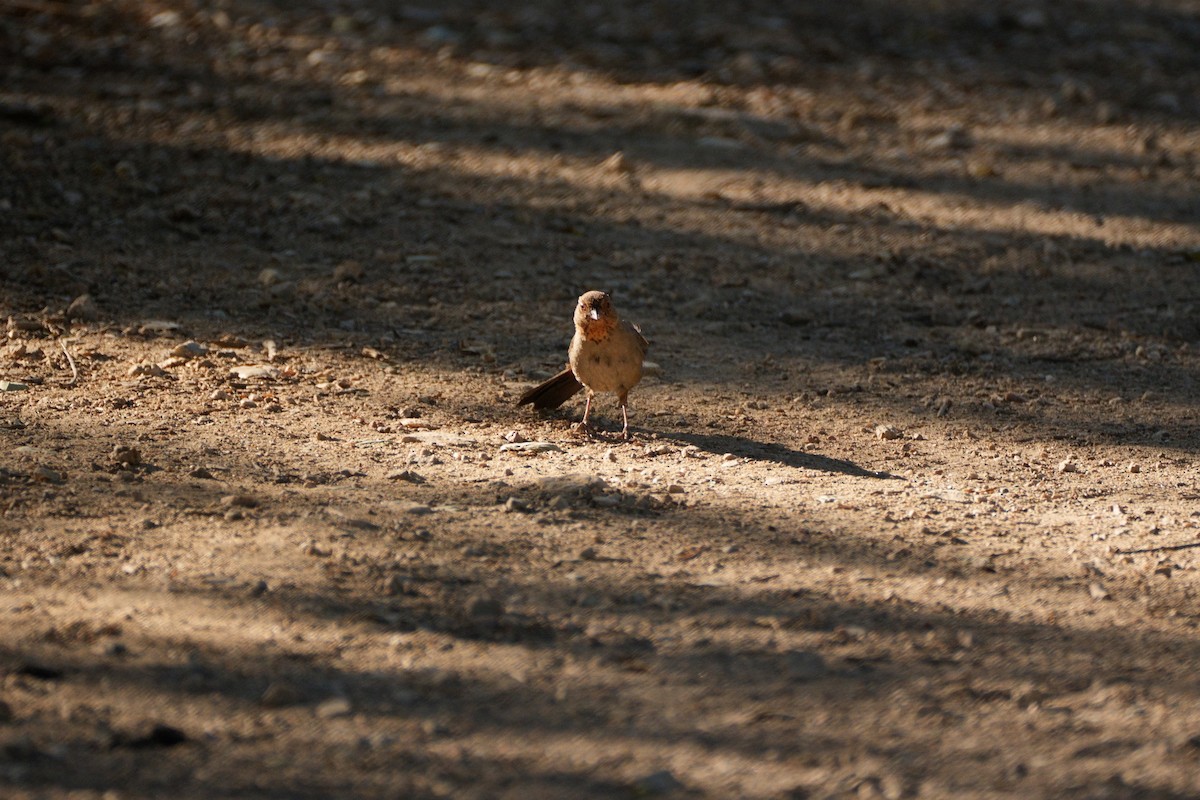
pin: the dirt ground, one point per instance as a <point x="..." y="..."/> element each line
<point x="921" y="282"/>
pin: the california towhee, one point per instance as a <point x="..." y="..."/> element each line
<point x="605" y="356"/>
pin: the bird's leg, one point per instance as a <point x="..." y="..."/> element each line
<point x="587" y="409"/>
<point x="625" y="428"/>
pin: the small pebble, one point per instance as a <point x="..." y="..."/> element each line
<point x="617" y="163"/>
<point x="311" y="548"/>
<point x="334" y="707"/>
<point x="126" y="456"/>
<point x="349" y="271"/>
<point x="395" y="585"/>
<point x="269" y="277"/>
<point x="189" y="349"/>
<point x="146" y="370"/>
<point x="888" y="432"/>
<point x="83" y="308"/>
<point x="47" y="475"/>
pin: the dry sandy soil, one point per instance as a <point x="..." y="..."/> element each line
<point x="921" y="281"/>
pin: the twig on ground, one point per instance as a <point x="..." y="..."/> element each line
<point x="71" y="361"/>
<point x="1159" y="549"/>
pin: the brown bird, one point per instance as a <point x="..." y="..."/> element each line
<point x="605" y="356"/>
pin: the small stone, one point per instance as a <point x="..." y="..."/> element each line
<point x="659" y="782"/>
<point x="239" y="500"/>
<point x="259" y="589"/>
<point x="189" y="349"/>
<point x="729" y="457"/>
<point x="888" y="432"/>
<point x="334" y="707"/>
<point x="145" y="370"/>
<point x="618" y="163"/>
<point x="1098" y="592"/>
<point x="349" y="272"/>
<point x="202" y="473"/>
<point x="1067" y="465"/>
<point x="513" y="437"/>
<point x="405" y="475"/>
<point x="1133" y="468"/>
<point x="311" y="548"/>
<point x="953" y="138"/>
<point x="610" y="455"/>
<point x="45" y="474"/>
<point x="394" y="585"/>
<point x="675" y="488"/>
<point x="269" y="277"/>
<point x="127" y="456"/>
<point x="83" y="308"/>
<point x="515" y="504"/>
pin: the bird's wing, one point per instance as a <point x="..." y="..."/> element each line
<point x="637" y="332"/>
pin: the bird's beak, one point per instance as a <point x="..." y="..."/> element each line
<point x="594" y="313"/>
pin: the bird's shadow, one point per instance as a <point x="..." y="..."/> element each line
<point x="719" y="444"/>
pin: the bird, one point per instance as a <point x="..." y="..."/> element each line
<point x="606" y="355"/>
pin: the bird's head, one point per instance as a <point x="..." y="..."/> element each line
<point x="595" y="315"/>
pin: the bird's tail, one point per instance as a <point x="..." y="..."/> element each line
<point x="553" y="392"/>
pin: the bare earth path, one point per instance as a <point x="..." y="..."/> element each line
<point x="922" y="286"/>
